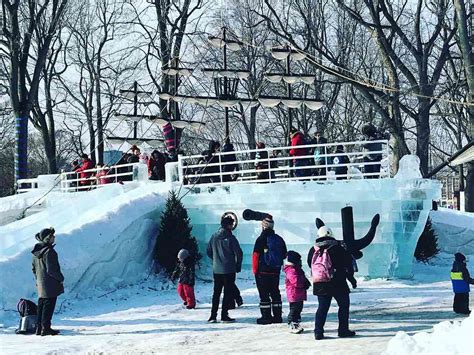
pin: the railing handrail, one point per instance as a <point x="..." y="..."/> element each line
<point x="99" y="169"/>
<point x="279" y="167"/>
<point x="271" y="149"/>
<point x="270" y="159"/>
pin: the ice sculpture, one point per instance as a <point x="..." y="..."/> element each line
<point x="403" y="203"/>
<point x="354" y="246"/>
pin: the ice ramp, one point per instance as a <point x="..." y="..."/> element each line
<point x="105" y="238"/>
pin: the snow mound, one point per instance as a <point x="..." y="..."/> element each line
<point x="454" y="230"/>
<point x="446" y="338"/>
<point x="104" y="240"/>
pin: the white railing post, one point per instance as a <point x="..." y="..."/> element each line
<point x="220" y="168"/>
<point x="180" y="169"/>
<point x="269" y="166"/>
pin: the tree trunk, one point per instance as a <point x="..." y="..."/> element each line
<point x="423" y="135"/>
<point x="50" y="151"/>
<point x="21" y="146"/>
<point x="100" y="125"/>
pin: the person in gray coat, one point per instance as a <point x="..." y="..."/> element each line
<point x="224" y="250"/>
<point x="49" y="279"/>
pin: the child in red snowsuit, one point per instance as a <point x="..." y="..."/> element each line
<point x="185" y="273"/>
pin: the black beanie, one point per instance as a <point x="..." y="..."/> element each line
<point x="45" y="235"/>
<point x="294" y="257"/>
<point x="459" y="257"/>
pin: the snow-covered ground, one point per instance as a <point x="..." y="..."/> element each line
<point x="148" y="317"/>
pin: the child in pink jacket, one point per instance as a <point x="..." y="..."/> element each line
<point x="296" y="285"/>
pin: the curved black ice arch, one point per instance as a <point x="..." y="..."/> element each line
<point x="354" y="245"/>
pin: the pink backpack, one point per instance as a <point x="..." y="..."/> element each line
<point x="321" y="265"/>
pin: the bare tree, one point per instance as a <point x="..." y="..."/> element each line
<point x="100" y="64"/>
<point x="21" y="22"/>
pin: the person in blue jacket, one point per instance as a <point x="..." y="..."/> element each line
<point x="461" y="279"/>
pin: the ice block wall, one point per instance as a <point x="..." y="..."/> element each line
<point x="403" y="202"/>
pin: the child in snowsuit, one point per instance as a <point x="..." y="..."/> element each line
<point x="461" y="279"/>
<point x="185" y="272"/>
<point x="296" y="285"/>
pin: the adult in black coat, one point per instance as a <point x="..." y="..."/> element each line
<point x="228" y="158"/>
<point x="212" y="159"/>
<point x="49" y="279"/>
<point x="339" y="159"/>
<point x="371" y="134"/>
<point x="337" y="287"/>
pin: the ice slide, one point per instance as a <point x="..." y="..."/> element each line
<point x="104" y="238"/>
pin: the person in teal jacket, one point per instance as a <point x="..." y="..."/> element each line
<point x="461" y="279"/>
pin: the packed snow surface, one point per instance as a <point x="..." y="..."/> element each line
<point x="448" y="337"/>
<point x="149" y="318"/>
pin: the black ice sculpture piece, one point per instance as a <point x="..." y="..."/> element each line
<point x="353" y="245"/>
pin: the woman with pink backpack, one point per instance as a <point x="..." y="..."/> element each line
<point x="331" y="265"/>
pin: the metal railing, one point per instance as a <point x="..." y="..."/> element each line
<point x="22" y="182"/>
<point x="71" y="181"/>
<point x="316" y="162"/>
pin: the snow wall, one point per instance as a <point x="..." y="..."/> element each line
<point x="105" y="239"/>
<point x="454" y="230"/>
<point x="403" y="203"/>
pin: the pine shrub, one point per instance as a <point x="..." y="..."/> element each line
<point x="427" y="246"/>
<point x="174" y="234"/>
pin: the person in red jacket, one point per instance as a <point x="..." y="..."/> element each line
<point x="101" y="175"/>
<point x="84" y="175"/>
<point x="297" y="138"/>
<point x="267" y="259"/>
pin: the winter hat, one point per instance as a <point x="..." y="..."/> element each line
<point x="45" y="235"/>
<point x="183" y="254"/>
<point x="268" y="223"/>
<point x="459" y="257"/>
<point x="227" y="221"/>
<point x="324" y="232"/>
<point x="294" y="257"/>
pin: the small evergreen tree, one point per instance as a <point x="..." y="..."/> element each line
<point x="174" y="234"/>
<point x="427" y="245"/>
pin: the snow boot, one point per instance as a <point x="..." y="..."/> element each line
<point x="212" y="319"/>
<point x="346" y="333"/>
<point x="240" y="303"/>
<point x="295" y="328"/>
<point x="276" y="309"/>
<point x="227" y="319"/>
<point x="49" y="331"/>
<point x="318" y="336"/>
<point x="265" y="309"/>
<point x="38" y="330"/>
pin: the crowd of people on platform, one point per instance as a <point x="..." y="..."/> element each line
<point x="316" y="162"/>
<point x="308" y="162"/>
<point x="87" y="174"/>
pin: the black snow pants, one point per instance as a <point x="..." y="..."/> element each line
<point x="295" y="312"/>
<point x="461" y="303"/>
<point x="45" y="311"/>
<point x="226" y="282"/>
<point x="269" y="292"/>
